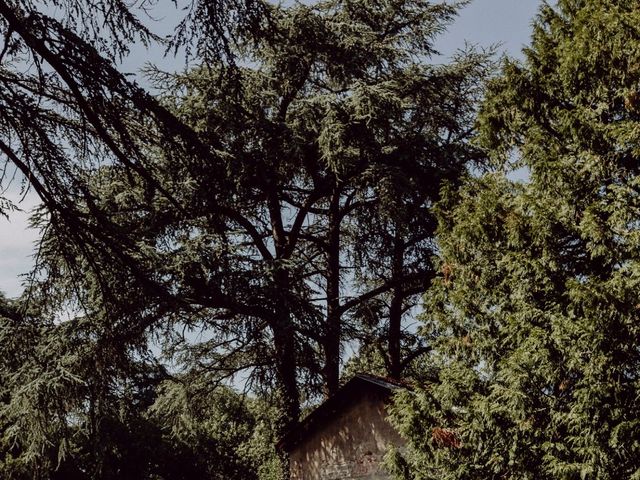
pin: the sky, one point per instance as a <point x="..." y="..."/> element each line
<point x="506" y="23"/>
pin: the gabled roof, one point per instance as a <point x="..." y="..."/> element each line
<point x="334" y="403"/>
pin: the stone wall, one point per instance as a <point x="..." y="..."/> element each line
<point x="348" y="446"/>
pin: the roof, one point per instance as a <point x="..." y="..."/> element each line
<point x="334" y="403"/>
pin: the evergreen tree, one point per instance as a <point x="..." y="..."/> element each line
<point x="253" y="204"/>
<point x="534" y="319"/>
<point x="271" y="245"/>
<point x="75" y="406"/>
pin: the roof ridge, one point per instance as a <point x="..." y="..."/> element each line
<point x="329" y="406"/>
<point x="393" y="381"/>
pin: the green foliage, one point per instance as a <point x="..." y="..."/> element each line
<point x="272" y="205"/>
<point x="71" y="403"/>
<point x="286" y="181"/>
<point x="535" y="319"/>
<point x="74" y="407"/>
<point x="230" y="435"/>
<point x="338" y="123"/>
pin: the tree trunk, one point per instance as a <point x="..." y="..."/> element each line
<point x="285" y="355"/>
<point x="332" y="334"/>
<point x="286" y="371"/>
<point x="395" y="310"/>
<point x="282" y="325"/>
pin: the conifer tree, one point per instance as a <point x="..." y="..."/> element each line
<point x="246" y="227"/>
<point x="75" y="406"/>
<point x="534" y="319"/>
<point x="254" y="202"/>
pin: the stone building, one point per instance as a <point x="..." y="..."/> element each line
<point x="347" y="436"/>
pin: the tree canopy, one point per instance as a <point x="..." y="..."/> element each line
<point x="240" y="221"/>
<point x="534" y="318"/>
<point x="236" y="205"/>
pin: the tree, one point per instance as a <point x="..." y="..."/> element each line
<point x="243" y="222"/>
<point x="70" y="402"/>
<point x="232" y="205"/>
<point x="74" y="406"/>
<point x="534" y="318"/>
<point x="219" y="434"/>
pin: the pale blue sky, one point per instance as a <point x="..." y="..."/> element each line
<point x="484" y="22"/>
